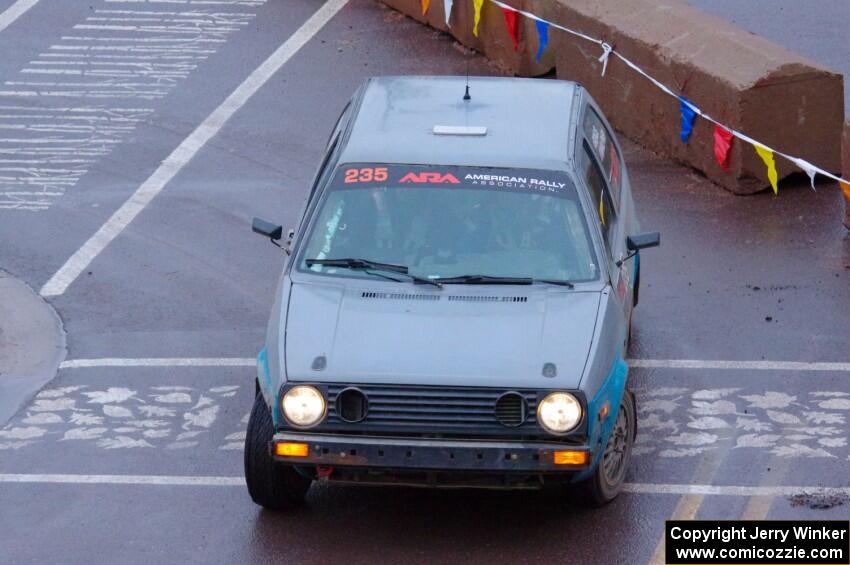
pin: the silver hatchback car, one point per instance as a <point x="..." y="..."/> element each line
<point x="456" y="304"/>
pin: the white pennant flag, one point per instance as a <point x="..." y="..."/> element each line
<point x="808" y="168"/>
<point x="606" y="52"/>
<point x="447" y="8"/>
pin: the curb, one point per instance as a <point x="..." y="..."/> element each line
<point x="32" y="344"/>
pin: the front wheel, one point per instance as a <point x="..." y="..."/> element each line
<point x="271" y="485"/>
<point x="610" y="474"/>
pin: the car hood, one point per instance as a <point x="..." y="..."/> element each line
<point x="499" y="336"/>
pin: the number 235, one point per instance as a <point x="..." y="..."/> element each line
<point x="369" y="174"/>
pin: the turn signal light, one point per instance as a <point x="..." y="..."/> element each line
<point x="571" y="457"/>
<point x="603" y="412"/>
<point x="291" y="449"/>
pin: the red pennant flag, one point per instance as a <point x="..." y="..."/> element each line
<point x="722" y="145"/>
<point x="510" y="21"/>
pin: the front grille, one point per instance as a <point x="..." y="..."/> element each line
<point x="511" y="409"/>
<point x="441" y="411"/>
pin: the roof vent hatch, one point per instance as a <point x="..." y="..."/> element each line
<point x="470" y="131"/>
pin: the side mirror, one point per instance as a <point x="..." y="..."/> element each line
<point x="643" y="241"/>
<point x="635" y="243"/>
<point x="272" y="231"/>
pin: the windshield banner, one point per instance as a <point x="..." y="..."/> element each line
<point x="357" y="175"/>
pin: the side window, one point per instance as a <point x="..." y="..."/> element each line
<point x="602" y="204"/>
<point x="602" y="144"/>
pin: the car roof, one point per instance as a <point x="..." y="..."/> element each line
<point x="528" y="121"/>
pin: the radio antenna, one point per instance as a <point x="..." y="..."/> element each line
<point x="466" y="95"/>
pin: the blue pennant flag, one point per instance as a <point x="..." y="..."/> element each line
<point x="543" y="32"/>
<point x="688" y="117"/>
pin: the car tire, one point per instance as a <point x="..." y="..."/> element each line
<point x="610" y="474"/>
<point x="271" y="484"/>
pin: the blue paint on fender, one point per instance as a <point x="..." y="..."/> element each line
<point x="611" y="391"/>
<point x="264" y="377"/>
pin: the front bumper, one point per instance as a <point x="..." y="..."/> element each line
<point x="430" y="454"/>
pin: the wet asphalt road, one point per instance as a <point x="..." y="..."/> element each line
<point x="742" y="279"/>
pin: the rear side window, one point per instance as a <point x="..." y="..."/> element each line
<point x="602" y="205"/>
<point x="602" y="145"/>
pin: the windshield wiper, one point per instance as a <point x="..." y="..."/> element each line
<point x="567" y="284"/>
<point x="485" y="279"/>
<point x="366" y="265"/>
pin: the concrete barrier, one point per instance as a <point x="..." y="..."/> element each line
<point x="845" y="168"/>
<point x="743" y="80"/>
<point x="493" y="39"/>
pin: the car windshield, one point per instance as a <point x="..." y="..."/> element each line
<point x="443" y="222"/>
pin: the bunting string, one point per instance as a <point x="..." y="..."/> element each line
<point x="723" y="134"/>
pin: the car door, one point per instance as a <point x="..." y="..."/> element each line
<point x="601" y="165"/>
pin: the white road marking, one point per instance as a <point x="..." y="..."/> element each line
<point x="149" y="75"/>
<point x="160" y="362"/>
<point x="738" y="365"/>
<point x="633" y="488"/>
<point x="162" y="416"/>
<point x="172" y="165"/>
<point x="730" y="490"/>
<point x="159" y="480"/>
<point x="15" y="11"/>
<point x="57" y="134"/>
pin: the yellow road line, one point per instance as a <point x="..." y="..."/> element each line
<point x="686" y="509"/>
<point x="689" y="504"/>
<point x="759" y="506"/>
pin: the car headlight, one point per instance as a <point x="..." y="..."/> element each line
<point x="559" y="412"/>
<point x="303" y="406"/>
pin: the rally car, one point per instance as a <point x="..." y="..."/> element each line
<point x="456" y="303"/>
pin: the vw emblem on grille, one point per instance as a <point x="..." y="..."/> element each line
<point x="511" y="409"/>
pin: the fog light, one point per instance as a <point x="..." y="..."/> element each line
<point x="571" y="457"/>
<point x="291" y="449"/>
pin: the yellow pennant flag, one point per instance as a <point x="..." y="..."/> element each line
<point x="846" y="188"/>
<point x="767" y="156"/>
<point x="425" y="4"/>
<point x="477" y="4"/>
